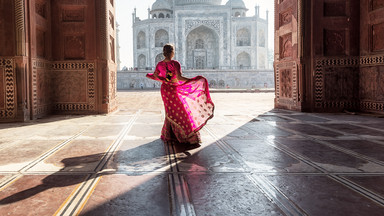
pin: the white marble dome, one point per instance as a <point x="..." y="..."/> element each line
<point x="236" y="4"/>
<point x="198" y="2"/>
<point x="161" y="5"/>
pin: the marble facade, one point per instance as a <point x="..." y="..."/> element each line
<point x="199" y="29"/>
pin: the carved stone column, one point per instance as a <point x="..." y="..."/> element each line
<point x="287" y="58"/>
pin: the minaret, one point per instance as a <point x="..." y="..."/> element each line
<point x="134" y="16"/>
<point x="149" y="13"/>
<point x="257" y="11"/>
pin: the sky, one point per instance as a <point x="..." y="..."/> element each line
<point x="124" y="10"/>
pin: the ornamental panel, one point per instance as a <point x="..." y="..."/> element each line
<point x="191" y="24"/>
<point x="286" y="46"/>
<point x="74" y="87"/>
<point x="73" y="15"/>
<point x="334" y="42"/>
<point x="74" y="47"/>
<point x="286" y="17"/>
<point x="8" y="85"/>
<point x="336" y="82"/>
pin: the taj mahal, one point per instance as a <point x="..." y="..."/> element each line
<point x="207" y="34"/>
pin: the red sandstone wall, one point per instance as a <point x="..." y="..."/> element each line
<point x="329" y="55"/>
<point x="8" y="96"/>
<point x="287" y="61"/>
<point x="335" y="52"/>
<point x="372" y="56"/>
<point x="56" y="56"/>
<point x="40" y="56"/>
<point x="7" y="32"/>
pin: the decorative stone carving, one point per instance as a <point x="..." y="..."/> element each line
<point x="8" y="92"/>
<point x="285" y="17"/>
<point x="372" y="83"/>
<point x="74" y="47"/>
<point x="41" y="88"/>
<point x="2" y="89"/>
<point x="348" y="66"/>
<point x="112" y="48"/>
<point x="286" y="46"/>
<point x="286" y="83"/>
<point x="112" y="90"/>
<point x="377" y="37"/>
<point x="70" y="86"/>
<point x="341" y="83"/>
<point x="191" y="24"/>
<point x="334" y="42"/>
<point x="111" y="20"/>
<point x="73" y="15"/>
<point x="335" y="9"/>
<point x="20" y="26"/>
<point x="80" y="77"/>
<point x="372" y="60"/>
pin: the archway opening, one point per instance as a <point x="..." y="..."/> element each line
<point x="202" y="46"/>
<point x="161" y="38"/>
<point x="243" y="60"/>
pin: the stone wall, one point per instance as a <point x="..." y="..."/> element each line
<point x="52" y="62"/>
<point x="248" y="79"/>
<point x="329" y="55"/>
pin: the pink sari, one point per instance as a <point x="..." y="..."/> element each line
<point x="188" y="105"/>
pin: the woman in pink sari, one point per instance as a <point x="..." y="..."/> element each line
<point x="188" y="105"/>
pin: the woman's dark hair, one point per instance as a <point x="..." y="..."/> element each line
<point x="168" y="49"/>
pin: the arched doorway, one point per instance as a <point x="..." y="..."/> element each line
<point x="141" y="61"/>
<point x="159" y="58"/>
<point x="243" y="37"/>
<point x="141" y="40"/>
<point x="202" y="46"/>
<point x="243" y="60"/>
<point x="161" y="38"/>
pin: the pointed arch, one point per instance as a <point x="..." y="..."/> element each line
<point x="141" y="40"/>
<point x="243" y="60"/>
<point x="159" y="58"/>
<point x="141" y="61"/>
<point x="202" y="45"/>
<point x="161" y="38"/>
<point x="243" y="37"/>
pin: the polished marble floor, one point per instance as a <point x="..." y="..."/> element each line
<point x="254" y="160"/>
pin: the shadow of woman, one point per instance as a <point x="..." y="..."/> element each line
<point x="147" y="156"/>
<point x="73" y="165"/>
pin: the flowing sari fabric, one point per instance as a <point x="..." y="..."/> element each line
<point x="188" y="105"/>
